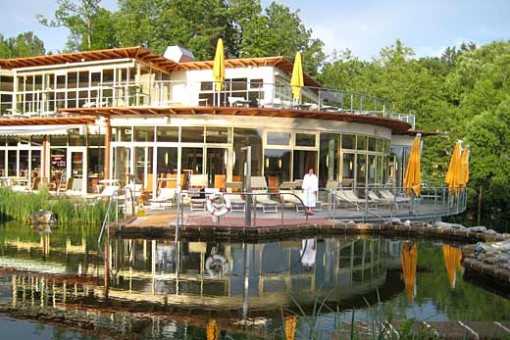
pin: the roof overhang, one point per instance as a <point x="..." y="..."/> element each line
<point x="137" y="52"/>
<point x="42" y="123"/>
<point x="396" y="126"/>
<point x="34" y="130"/>
<point x="423" y="133"/>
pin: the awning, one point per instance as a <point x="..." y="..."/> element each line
<point x="36" y="130"/>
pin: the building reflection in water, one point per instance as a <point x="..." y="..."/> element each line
<point x="237" y="283"/>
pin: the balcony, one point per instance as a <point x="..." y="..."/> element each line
<point x="235" y="93"/>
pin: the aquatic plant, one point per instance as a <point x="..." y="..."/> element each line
<point x="18" y="205"/>
<point x="379" y="324"/>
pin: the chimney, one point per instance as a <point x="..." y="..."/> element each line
<point x="178" y="54"/>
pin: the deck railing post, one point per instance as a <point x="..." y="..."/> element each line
<point x="247" y="187"/>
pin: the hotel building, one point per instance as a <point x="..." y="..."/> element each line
<point x="128" y="114"/>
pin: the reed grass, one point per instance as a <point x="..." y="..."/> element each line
<point x="18" y="205"/>
<point x="377" y="326"/>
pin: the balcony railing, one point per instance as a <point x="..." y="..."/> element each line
<point x="358" y="204"/>
<point x="253" y="94"/>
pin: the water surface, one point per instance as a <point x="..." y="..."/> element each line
<point x="53" y="285"/>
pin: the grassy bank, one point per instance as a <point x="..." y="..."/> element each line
<point x="18" y="205"/>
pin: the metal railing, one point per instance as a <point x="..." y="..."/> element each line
<point x="434" y="203"/>
<point x="201" y="93"/>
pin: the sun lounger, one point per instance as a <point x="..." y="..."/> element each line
<point x="386" y="194"/>
<point x="236" y="201"/>
<point x="264" y="200"/>
<point x="166" y="198"/>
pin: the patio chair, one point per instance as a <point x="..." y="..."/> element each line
<point x="276" y="103"/>
<point x="350" y="198"/>
<point x="65" y="187"/>
<point x="238" y="101"/>
<point x="198" y="189"/>
<point x="108" y="191"/>
<point x="259" y="186"/>
<point x="236" y="201"/>
<point x="398" y="200"/>
<point x="379" y="200"/>
<point x="166" y="198"/>
<point x="293" y="197"/>
<point x="265" y="201"/>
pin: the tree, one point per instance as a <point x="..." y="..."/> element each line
<point x="23" y="45"/>
<point x="490" y="159"/>
<point x="89" y="24"/>
<point x="280" y="32"/>
<point x="196" y="25"/>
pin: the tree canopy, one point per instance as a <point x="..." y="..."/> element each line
<point x="23" y="45"/>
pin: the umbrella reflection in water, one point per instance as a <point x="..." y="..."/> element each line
<point x="452" y="258"/>
<point x="409" y="259"/>
<point x="212" y="330"/>
<point x="290" y="327"/>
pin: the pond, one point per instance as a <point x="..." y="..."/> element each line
<point x="53" y="285"/>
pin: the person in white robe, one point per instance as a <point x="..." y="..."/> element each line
<point x="310" y="188"/>
<point x="308" y="253"/>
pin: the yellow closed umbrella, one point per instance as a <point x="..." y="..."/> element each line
<point x="290" y="327"/>
<point x="452" y="258"/>
<point x="464" y="162"/>
<point x="219" y="66"/>
<point x="454" y="174"/>
<point x="212" y="330"/>
<point x="296" y="80"/>
<point x="412" y="179"/>
<point x="409" y="259"/>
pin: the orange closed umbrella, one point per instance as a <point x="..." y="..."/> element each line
<point x="296" y="80"/>
<point x="454" y="174"/>
<point x="452" y="258"/>
<point x="212" y="330"/>
<point x="409" y="259"/>
<point x="412" y="179"/>
<point x="464" y="163"/>
<point x="290" y="327"/>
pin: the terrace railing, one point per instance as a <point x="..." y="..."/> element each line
<point x="239" y="94"/>
<point x="361" y="206"/>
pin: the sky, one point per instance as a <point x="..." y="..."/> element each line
<point x="362" y="26"/>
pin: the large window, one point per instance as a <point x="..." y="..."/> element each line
<point x="242" y="139"/>
<point x="277" y="164"/>
<point x="302" y="161"/>
<point x="329" y="161"/>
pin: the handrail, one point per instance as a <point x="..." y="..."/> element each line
<point x="106" y="224"/>
<point x="106" y="221"/>
<point x="114" y="199"/>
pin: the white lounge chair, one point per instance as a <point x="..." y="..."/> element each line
<point x="238" y="101"/>
<point x="386" y="194"/>
<point x="275" y="103"/>
<point x="237" y="202"/>
<point x="165" y="198"/>
<point x="263" y="199"/>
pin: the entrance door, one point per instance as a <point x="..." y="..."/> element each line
<point x="77" y="168"/>
<point x="216" y="167"/>
<point x="122" y="171"/>
<point x="144" y="167"/>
